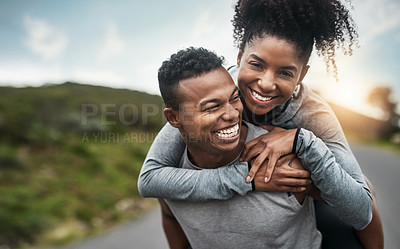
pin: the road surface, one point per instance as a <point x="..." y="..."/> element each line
<point x="383" y="170"/>
<point x="381" y="167"/>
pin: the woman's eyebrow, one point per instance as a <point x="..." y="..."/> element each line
<point x="234" y="91"/>
<point x="293" y="68"/>
<point x="257" y="58"/>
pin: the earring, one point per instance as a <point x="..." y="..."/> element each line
<point x="296" y="91"/>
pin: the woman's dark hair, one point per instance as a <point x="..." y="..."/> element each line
<point x="185" y="64"/>
<point x="303" y="23"/>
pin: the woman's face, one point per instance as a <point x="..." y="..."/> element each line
<point x="269" y="70"/>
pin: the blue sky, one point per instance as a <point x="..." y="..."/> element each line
<point x="122" y="43"/>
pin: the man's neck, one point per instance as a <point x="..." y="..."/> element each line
<point x="207" y="160"/>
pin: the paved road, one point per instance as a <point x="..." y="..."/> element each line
<point x="144" y="233"/>
<point x="382" y="168"/>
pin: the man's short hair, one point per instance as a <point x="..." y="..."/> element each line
<point x="185" y="64"/>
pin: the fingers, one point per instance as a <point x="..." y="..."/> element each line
<point x="256" y="164"/>
<point x="270" y="168"/>
<point x="252" y="172"/>
<point x="249" y="151"/>
<point x="285" y="160"/>
<point x="295" y="182"/>
<point x="295" y="173"/>
<point x="295" y="189"/>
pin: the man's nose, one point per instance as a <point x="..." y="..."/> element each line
<point x="231" y="113"/>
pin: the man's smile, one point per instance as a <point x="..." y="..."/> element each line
<point x="229" y="133"/>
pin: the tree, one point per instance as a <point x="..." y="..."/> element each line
<point x="381" y="97"/>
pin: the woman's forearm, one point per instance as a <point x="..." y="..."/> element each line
<point x="346" y="193"/>
<point x="161" y="177"/>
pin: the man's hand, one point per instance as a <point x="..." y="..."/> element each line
<point x="288" y="176"/>
<point x="273" y="145"/>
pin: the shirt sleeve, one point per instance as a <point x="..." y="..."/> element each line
<point x="345" y="191"/>
<point x="161" y="177"/>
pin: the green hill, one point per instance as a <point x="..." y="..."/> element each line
<point x="70" y="155"/>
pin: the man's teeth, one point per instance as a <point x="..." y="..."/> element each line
<point x="231" y="132"/>
<point x="259" y="97"/>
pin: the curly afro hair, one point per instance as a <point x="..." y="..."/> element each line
<point x="185" y="64"/>
<point x="303" y="23"/>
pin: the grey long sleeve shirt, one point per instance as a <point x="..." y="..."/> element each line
<point x="324" y="152"/>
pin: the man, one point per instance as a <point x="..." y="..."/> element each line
<point x="203" y="103"/>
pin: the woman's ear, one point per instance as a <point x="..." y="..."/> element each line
<point x="172" y="117"/>
<point x="303" y="73"/>
<point x="239" y="58"/>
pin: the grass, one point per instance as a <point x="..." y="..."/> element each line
<point x="383" y="144"/>
<point x="67" y="172"/>
<point x="61" y="193"/>
<point x="387" y="145"/>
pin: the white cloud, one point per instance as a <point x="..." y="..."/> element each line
<point x="203" y="25"/>
<point x="33" y="74"/>
<point x="379" y="17"/>
<point x="112" y="45"/>
<point x="43" y="39"/>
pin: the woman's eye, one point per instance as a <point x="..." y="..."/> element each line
<point x="287" y="74"/>
<point x="255" y="64"/>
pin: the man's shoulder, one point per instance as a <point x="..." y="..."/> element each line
<point x="253" y="131"/>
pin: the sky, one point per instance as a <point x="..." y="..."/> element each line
<point x="122" y="44"/>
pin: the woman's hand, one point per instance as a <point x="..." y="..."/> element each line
<point x="273" y="145"/>
<point x="285" y="178"/>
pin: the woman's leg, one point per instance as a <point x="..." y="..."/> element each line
<point x="337" y="234"/>
<point x="371" y="237"/>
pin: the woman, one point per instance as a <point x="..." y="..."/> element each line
<point x="275" y="40"/>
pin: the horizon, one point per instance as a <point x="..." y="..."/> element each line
<point x="157" y="94"/>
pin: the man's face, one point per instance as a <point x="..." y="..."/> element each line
<point x="211" y="112"/>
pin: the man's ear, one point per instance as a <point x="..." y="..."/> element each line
<point x="303" y="73"/>
<point x="172" y="117"/>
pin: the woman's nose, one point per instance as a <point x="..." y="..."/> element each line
<point x="267" y="82"/>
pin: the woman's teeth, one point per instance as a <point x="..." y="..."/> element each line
<point x="259" y="97"/>
<point x="227" y="133"/>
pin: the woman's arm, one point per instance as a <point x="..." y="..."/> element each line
<point x="346" y="193"/>
<point x="160" y="176"/>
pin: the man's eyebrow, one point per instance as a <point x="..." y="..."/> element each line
<point x="203" y="103"/>
<point x="293" y="68"/>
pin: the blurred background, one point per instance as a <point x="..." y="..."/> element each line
<point x="80" y="106"/>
